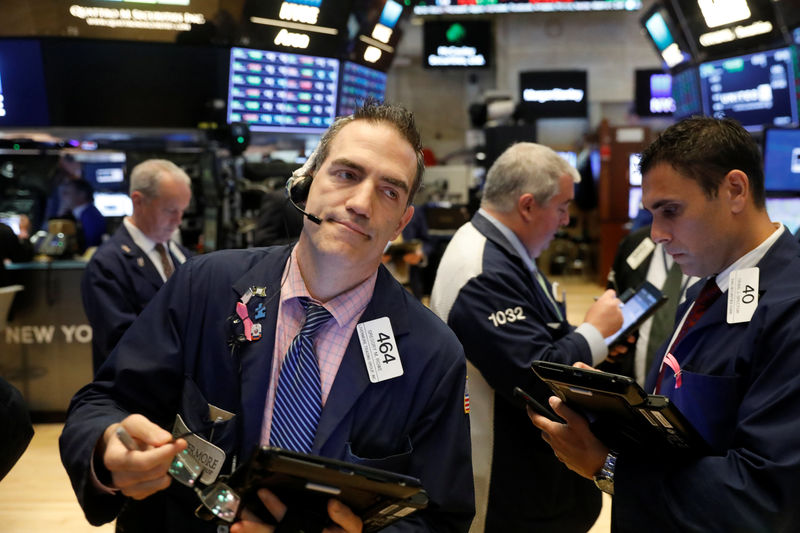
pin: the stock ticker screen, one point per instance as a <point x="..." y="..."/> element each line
<point x="359" y="83"/>
<point x="282" y="92"/>
<point x="755" y="89"/>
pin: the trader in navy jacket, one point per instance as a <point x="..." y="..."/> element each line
<point x="127" y="270"/>
<point x="506" y="315"/>
<point x="202" y="356"/>
<point x="735" y="374"/>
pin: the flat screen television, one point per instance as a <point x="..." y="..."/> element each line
<point x="786" y="211"/>
<point x="23" y="98"/>
<point x="553" y="94"/>
<point x="663" y="32"/>
<point x="282" y="92"/>
<point x="756" y="89"/>
<point x="457" y="43"/>
<point x="471" y="7"/>
<point x="781" y="160"/>
<point x="357" y="83"/>
<point x="653" y="93"/>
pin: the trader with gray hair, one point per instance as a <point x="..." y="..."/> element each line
<point x="127" y="270"/>
<point x="490" y="292"/>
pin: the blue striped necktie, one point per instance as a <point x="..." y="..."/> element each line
<point x="298" y="399"/>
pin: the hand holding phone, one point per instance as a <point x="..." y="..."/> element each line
<point x="536" y="407"/>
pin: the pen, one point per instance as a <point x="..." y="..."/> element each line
<point x="131" y="445"/>
<point x="126" y="439"/>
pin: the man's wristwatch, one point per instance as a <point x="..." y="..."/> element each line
<point x="604" y="479"/>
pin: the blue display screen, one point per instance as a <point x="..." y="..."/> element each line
<point x="23" y="99"/>
<point x="781" y="160"/>
<point x="755" y="89"/>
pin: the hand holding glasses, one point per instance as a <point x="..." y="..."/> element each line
<point x="218" y="498"/>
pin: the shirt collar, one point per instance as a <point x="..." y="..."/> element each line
<point x="512" y="238"/>
<point x="750" y="259"/>
<point x="344" y="307"/>
<point x="139" y="238"/>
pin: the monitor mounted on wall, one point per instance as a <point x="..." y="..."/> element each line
<point x="282" y="92"/>
<point x="757" y="89"/>
<point x="553" y="94"/>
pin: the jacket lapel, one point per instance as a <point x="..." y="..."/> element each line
<point x="141" y="264"/>
<point x="352" y="379"/>
<point x="776" y="258"/>
<point x="256" y="357"/>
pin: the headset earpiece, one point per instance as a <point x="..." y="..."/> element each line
<point x="297" y="187"/>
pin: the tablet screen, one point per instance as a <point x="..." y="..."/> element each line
<point x="636" y="309"/>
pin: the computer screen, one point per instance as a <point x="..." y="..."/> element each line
<point x="282" y="92"/>
<point x="105" y="176"/>
<point x="781" y="160"/>
<point x="654" y="93"/>
<point x="23" y="98"/>
<point x="786" y="211"/>
<point x="634" y="201"/>
<point x="634" y="175"/>
<point x="553" y="94"/>
<point x="664" y="34"/>
<point x="755" y="89"/>
<point x="357" y="84"/>
<point x="457" y="43"/>
<point x="113" y="204"/>
<point x="686" y="93"/>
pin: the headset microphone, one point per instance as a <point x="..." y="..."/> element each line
<point x="297" y="187"/>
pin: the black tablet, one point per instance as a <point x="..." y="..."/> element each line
<point x="635" y="310"/>
<point x="620" y="412"/>
<point x="305" y="483"/>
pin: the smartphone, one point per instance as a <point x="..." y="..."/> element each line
<point x="537" y="408"/>
<point x="636" y="309"/>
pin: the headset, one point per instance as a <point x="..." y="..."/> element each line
<point x="297" y="187"/>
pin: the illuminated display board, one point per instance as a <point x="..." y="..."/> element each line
<point x="686" y="93"/>
<point x="278" y="91"/>
<point x="357" y="84"/>
<point x="662" y="31"/>
<point x="316" y="27"/>
<point x="151" y="20"/>
<point x="457" y="43"/>
<point x="782" y="162"/>
<point x="471" y="7"/>
<point x="720" y="29"/>
<point x="654" y="93"/>
<point x="553" y="94"/>
<point x="755" y="89"/>
<point x="23" y="100"/>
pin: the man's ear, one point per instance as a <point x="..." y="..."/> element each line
<point x="404" y="220"/>
<point x="526" y="206"/>
<point x="736" y="187"/>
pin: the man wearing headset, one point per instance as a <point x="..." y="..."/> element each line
<point x="209" y="352"/>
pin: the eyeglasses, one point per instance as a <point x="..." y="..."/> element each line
<point x="218" y="499"/>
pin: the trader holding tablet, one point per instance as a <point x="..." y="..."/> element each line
<point x="732" y="365"/>
<point x="507" y="315"/>
<point x="313" y="348"/>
